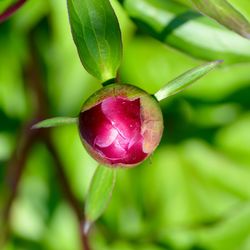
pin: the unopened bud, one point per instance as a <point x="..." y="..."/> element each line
<point x="120" y="125"/>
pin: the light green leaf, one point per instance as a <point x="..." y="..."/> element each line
<point x="56" y="121"/>
<point x="188" y="31"/>
<point x="100" y="192"/>
<point x="185" y="80"/>
<point x="224" y="13"/>
<point x="97" y="36"/>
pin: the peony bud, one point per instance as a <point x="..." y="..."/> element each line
<point x="120" y="125"/>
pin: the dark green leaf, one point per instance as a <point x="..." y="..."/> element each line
<point x="97" y="36"/>
<point x="100" y="192"/>
<point x="185" y="80"/>
<point x="224" y="13"/>
<point x="56" y="121"/>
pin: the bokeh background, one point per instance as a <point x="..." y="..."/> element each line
<point x="194" y="192"/>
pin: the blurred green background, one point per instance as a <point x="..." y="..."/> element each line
<point x="194" y="192"/>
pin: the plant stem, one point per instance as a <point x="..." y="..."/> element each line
<point x="28" y="138"/>
<point x="17" y="164"/>
<point x="13" y="176"/>
<point x="67" y="191"/>
<point x="84" y="236"/>
<point x="11" y="10"/>
<point x="62" y="177"/>
<point x="110" y="81"/>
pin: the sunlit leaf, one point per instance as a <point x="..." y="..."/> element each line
<point x="97" y="36"/>
<point x="223" y="12"/>
<point x="56" y="121"/>
<point x="187" y="30"/>
<point x="185" y="80"/>
<point x="100" y="192"/>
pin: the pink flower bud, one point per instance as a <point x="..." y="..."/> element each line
<point x="120" y="125"/>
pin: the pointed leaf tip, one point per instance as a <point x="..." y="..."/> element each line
<point x="224" y="13"/>
<point x="54" y="122"/>
<point x="185" y="80"/>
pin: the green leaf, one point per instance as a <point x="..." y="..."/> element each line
<point x="185" y="80"/>
<point x="188" y="31"/>
<point x="224" y="13"/>
<point x="56" y="121"/>
<point x="97" y="36"/>
<point x="100" y="192"/>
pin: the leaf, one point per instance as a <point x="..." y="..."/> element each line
<point x="97" y="36"/>
<point x="100" y="192"/>
<point x="56" y="121"/>
<point x="224" y="13"/>
<point x="188" y="31"/>
<point x="185" y="80"/>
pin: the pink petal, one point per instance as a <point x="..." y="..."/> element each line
<point x="107" y="135"/>
<point x="124" y="115"/>
<point x="113" y="129"/>
<point x="135" y="153"/>
<point x="115" y="151"/>
<point x="93" y="123"/>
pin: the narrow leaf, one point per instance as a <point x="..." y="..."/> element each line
<point x="56" y="121"/>
<point x="97" y="36"/>
<point x="185" y="80"/>
<point x="100" y="192"/>
<point x="224" y="13"/>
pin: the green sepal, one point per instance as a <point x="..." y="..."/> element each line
<point x="100" y="192"/>
<point x="55" y="121"/>
<point x="185" y="80"/>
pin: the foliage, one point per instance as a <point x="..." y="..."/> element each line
<point x="97" y="36"/>
<point x="193" y="194"/>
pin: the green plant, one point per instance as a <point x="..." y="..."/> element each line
<point x="97" y="36"/>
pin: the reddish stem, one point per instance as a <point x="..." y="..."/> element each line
<point x="28" y="138"/>
<point x="11" y="10"/>
<point x="76" y="206"/>
<point x="84" y="235"/>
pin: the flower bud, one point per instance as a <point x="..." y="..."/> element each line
<point x="120" y="125"/>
